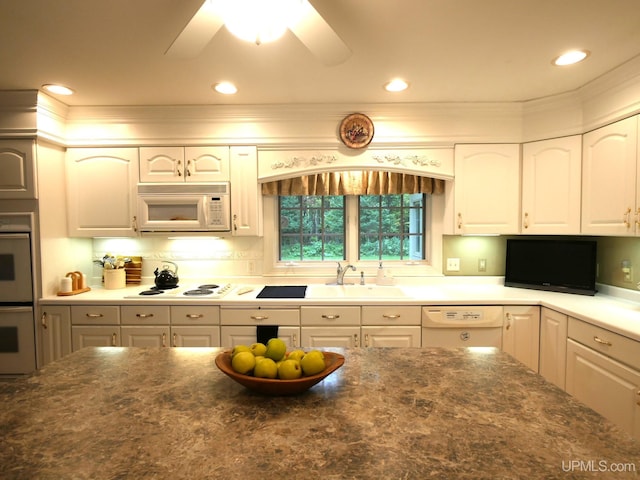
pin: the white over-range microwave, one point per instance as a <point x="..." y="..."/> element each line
<point x="184" y="208"/>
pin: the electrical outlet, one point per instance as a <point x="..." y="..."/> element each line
<point x="482" y="264"/>
<point x="453" y="264"/>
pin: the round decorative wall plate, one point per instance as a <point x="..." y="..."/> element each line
<point x="356" y="130"/>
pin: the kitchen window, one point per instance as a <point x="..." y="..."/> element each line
<point x="388" y="227"/>
<point x="309" y="225"/>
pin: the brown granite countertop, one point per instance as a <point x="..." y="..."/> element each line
<point x="132" y="413"/>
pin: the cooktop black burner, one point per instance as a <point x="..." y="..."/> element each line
<point x="208" y="286"/>
<point x="198" y="291"/>
<point x="152" y="291"/>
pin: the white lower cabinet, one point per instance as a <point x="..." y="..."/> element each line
<point x="330" y="326"/>
<point x="391" y="326"/>
<point x="400" y="336"/>
<point x="232" y="335"/>
<point x="521" y="334"/>
<point x="553" y="346"/>
<point x="190" y="336"/>
<point x="322" y="337"/>
<point x="55" y="333"/>
<point x="95" y="336"/>
<point x="95" y="326"/>
<point x="605" y="385"/>
<point x="145" y="336"/>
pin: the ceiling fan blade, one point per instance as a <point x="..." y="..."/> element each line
<point x="198" y="33"/>
<point x="316" y="34"/>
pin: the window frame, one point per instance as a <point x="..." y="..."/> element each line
<point x="434" y="230"/>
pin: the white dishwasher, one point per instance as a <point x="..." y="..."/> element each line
<point x="462" y="326"/>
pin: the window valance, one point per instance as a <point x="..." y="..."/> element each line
<point x="354" y="183"/>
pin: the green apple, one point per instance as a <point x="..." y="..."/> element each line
<point x="295" y="355"/>
<point x="265" y="368"/>
<point x="313" y="362"/>
<point x="258" y="349"/>
<point x="238" y="349"/>
<point x="276" y="348"/>
<point x="243" y="362"/>
<point x="289" y="370"/>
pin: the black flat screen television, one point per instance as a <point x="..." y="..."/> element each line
<point x="567" y="266"/>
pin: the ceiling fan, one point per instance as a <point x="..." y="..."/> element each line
<point x="307" y="25"/>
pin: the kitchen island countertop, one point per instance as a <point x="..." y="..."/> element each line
<point x="107" y="413"/>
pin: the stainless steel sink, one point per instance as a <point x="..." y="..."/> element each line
<point x="354" y="291"/>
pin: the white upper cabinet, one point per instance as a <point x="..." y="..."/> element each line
<point x="551" y="183"/>
<point x="101" y="191"/>
<point x="17" y="169"/>
<point x="246" y="196"/>
<point x="610" y="203"/>
<point x="184" y="164"/>
<point x="487" y="189"/>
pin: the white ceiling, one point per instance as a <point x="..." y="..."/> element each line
<point x="112" y="51"/>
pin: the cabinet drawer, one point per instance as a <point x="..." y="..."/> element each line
<point x="95" y="315"/>
<point x="391" y="315"/>
<point x="145" y="315"/>
<point x="195" y="315"/>
<point x="260" y="316"/>
<point x="330" y="315"/>
<point x="611" y="344"/>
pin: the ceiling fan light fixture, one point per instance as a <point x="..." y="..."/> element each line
<point x="570" y="57"/>
<point x="260" y="21"/>
<point x="396" y="85"/>
<point x="57" y="89"/>
<point x="225" y="88"/>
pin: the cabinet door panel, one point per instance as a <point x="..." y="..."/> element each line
<point x="608" y="387"/>
<point x="551" y="185"/>
<point x="208" y="336"/>
<point x="391" y="336"/>
<point x="98" y="336"/>
<point x="146" y="336"/>
<point x="322" y="337"/>
<point x="487" y="189"/>
<point x="206" y="164"/>
<point x="55" y="327"/>
<point x="521" y="334"/>
<point x="162" y="164"/>
<point x="610" y="158"/>
<point x="230" y="336"/>
<point x="553" y="346"/>
<point x="17" y="169"/>
<point x="101" y="191"/>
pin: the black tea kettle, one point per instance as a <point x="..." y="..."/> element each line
<point x="166" y="278"/>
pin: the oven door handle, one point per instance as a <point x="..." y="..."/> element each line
<point x="15" y="308"/>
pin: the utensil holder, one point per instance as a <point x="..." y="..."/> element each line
<point x="114" y="278"/>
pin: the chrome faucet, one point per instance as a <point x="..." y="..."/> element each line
<point x="341" y="271"/>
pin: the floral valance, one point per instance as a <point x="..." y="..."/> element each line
<point x="354" y="183"/>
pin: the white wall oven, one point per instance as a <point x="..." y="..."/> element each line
<point x="184" y="208"/>
<point x="17" y="326"/>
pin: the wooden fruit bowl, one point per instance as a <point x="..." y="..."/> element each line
<point x="274" y="386"/>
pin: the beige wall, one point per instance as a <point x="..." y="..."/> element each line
<point x="611" y="252"/>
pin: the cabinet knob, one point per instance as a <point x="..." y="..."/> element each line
<point x="43" y="320"/>
<point x="391" y="316"/>
<point x="459" y="220"/>
<point x="526" y="220"/>
<point x="194" y="315"/>
<point x="175" y="339"/>
<point x="144" y="315"/>
<point x="114" y="340"/>
<point x="178" y="172"/>
<point x="259" y="317"/>
<point x="330" y="317"/>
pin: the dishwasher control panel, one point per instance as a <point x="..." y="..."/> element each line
<point x="468" y="317"/>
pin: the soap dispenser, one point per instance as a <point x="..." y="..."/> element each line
<point x="380" y="275"/>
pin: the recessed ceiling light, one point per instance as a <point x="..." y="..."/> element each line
<point x="396" y="85"/>
<point x="226" y="88"/>
<point x="571" y="57"/>
<point x="57" y="89"/>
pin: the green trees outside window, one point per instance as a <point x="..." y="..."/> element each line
<point x="389" y="227"/>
